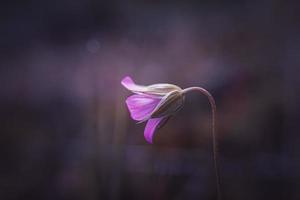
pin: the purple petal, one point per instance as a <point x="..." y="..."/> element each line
<point x="128" y="83"/>
<point x="151" y="126"/>
<point x="141" y="106"/>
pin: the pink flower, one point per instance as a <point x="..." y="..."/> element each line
<point x="154" y="104"/>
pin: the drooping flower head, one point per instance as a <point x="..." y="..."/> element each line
<point x="154" y="104"/>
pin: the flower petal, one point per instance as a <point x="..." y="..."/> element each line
<point x="152" y="125"/>
<point x="162" y="88"/>
<point x="169" y="104"/>
<point x="156" y="90"/>
<point x="128" y="83"/>
<point x="141" y="106"/>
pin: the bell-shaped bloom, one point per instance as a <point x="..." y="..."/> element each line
<point x="154" y="104"/>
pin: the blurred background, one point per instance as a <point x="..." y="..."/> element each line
<point x="66" y="132"/>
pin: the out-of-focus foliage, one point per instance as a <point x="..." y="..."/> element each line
<point x="65" y="130"/>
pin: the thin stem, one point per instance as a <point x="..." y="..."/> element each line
<point x="215" y="148"/>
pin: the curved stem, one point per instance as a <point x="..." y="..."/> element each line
<point x="215" y="148"/>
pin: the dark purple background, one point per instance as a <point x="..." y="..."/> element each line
<point x="66" y="132"/>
